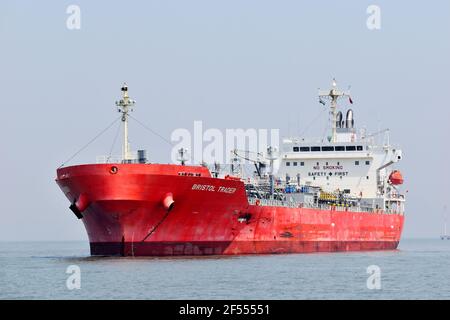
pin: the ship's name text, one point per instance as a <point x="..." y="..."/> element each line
<point x="211" y="188"/>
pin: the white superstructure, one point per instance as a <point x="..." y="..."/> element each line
<point x="346" y="168"/>
<point x="359" y="167"/>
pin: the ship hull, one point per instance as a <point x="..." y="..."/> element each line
<point x="126" y="213"/>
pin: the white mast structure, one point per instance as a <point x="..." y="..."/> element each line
<point x="272" y="156"/>
<point x="333" y="94"/>
<point x="125" y="106"/>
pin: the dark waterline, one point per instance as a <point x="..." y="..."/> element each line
<point x="419" y="269"/>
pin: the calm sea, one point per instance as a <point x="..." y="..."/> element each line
<point x="420" y="269"/>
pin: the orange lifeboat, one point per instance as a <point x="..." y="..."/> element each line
<point x="228" y="177"/>
<point x="396" y="178"/>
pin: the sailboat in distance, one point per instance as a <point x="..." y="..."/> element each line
<point x="445" y="235"/>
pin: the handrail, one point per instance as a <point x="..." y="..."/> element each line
<point x="288" y="204"/>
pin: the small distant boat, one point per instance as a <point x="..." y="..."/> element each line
<point x="445" y="235"/>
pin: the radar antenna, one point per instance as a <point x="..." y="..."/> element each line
<point x="182" y="156"/>
<point x="333" y="95"/>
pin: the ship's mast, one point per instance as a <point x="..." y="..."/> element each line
<point x="445" y="226"/>
<point x="333" y="95"/>
<point x="125" y="106"/>
<point x="445" y="221"/>
<point x="272" y="156"/>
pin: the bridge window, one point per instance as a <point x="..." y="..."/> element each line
<point x="294" y="163"/>
<point x="296" y="149"/>
<point x="350" y="148"/>
<point x="302" y="164"/>
<point x="315" y="149"/>
<point x="359" y="148"/>
<point x="304" y="149"/>
<point x="356" y="163"/>
<point x="339" y="148"/>
<point x="367" y="163"/>
<point x="327" y="148"/>
<point x="288" y="164"/>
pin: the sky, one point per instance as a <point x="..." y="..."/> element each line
<point x="231" y="64"/>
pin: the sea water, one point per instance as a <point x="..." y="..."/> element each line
<point x="419" y="269"/>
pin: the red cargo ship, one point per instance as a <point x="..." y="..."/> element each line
<point x="344" y="198"/>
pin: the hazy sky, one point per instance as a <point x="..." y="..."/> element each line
<point x="231" y="64"/>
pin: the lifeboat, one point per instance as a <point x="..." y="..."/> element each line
<point x="228" y="177"/>
<point x="396" y="178"/>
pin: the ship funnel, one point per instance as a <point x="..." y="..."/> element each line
<point x="349" y="119"/>
<point x="339" y="120"/>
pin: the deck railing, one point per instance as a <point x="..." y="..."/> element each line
<point x="116" y="159"/>
<point x="289" y="204"/>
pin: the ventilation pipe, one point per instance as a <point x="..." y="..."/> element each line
<point x="339" y="120"/>
<point x="349" y="119"/>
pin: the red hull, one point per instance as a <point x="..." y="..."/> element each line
<point x="126" y="213"/>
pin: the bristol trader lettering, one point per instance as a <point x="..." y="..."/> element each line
<point x="203" y="187"/>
